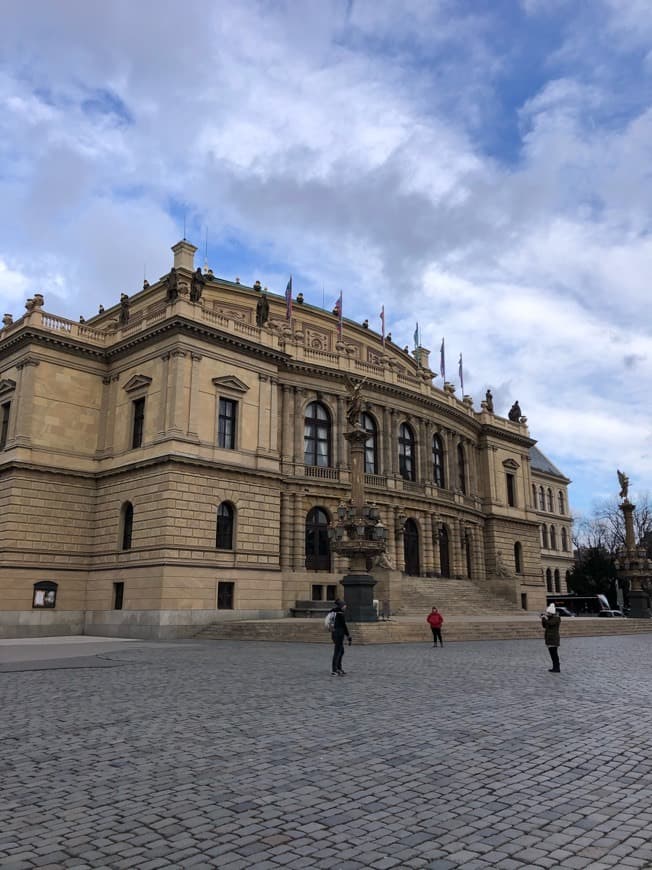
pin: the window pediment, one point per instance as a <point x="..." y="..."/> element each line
<point x="7" y="386"/>
<point x="137" y="382"/>
<point x="510" y="464"/>
<point x="230" y="382"/>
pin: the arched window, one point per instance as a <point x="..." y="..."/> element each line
<point x="461" y="469"/>
<point x="542" y="499"/>
<point x="549" y="580"/>
<point x="550" y="507"/>
<point x="568" y="575"/>
<point x="406" y="453"/>
<point x="564" y="539"/>
<point x="224" y="533"/>
<point x="557" y="581"/>
<point x="370" y="445"/>
<point x="318" y="552"/>
<point x="553" y="538"/>
<point x="560" y="499"/>
<point x="444" y="552"/>
<point x="127" y="524"/>
<point x="518" y="558"/>
<point x="317" y="436"/>
<point x="534" y="496"/>
<point x="411" y="548"/>
<point x="438" y="461"/>
<point x="544" y="537"/>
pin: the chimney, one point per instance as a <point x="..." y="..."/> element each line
<point x="184" y="255"/>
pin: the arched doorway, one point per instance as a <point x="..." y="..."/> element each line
<point x="411" y="548"/>
<point x="318" y="551"/>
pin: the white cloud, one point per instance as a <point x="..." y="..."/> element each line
<point x="345" y="143"/>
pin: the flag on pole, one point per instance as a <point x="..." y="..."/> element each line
<point x="416" y="337"/>
<point x="461" y="370"/>
<point x="337" y="309"/>
<point x="288" y="300"/>
<point x="442" y="361"/>
<point x="382" y="323"/>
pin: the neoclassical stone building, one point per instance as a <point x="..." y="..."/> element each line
<point x="177" y="459"/>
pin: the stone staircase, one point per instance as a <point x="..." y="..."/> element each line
<point x="414" y="630"/>
<point x="453" y="597"/>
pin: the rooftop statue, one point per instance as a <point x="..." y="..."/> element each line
<point x="515" y="412"/>
<point x="262" y="310"/>
<point x="172" y="285"/>
<point x="623" y="480"/>
<point x="197" y="286"/>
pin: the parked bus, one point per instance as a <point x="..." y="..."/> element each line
<point x="580" y="605"/>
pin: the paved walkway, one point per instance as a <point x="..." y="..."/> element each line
<point x="248" y="756"/>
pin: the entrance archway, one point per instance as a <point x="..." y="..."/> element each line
<point x="411" y="548"/>
<point x="318" y="551"/>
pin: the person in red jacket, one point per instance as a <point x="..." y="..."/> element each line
<point x="435" y="621"/>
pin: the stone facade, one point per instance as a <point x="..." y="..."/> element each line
<point x="169" y="463"/>
<point x="549" y="499"/>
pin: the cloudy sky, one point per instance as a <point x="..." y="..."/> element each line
<point x="481" y="166"/>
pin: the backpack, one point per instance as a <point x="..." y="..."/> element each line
<point x="329" y="621"/>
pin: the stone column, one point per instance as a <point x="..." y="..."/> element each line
<point x="264" y="411"/>
<point x="434" y="537"/>
<point x="178" y="420"/>
<point x="287" y="403"/>
<point x="427" y="546"/>
<point x="386" y="435"/>
<point x="298" y="425"/>
<point x="421" y="470"/>
<point x="163" y="408"/>
<point x="427" y="474"/>
<point x="393" y="452"/>
<point x="447" y="444"/>
<point x="340" y="457"/>
<point x="105" y="417"/>
<point x="25" y="395"/>
<point x="298" y="533"/>
<point x="400" y="549"/>
<point x="193" y="417"/>
<point x="285" y="554"/>
<point x="273" y="415"/>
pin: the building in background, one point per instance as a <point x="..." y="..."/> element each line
<point x="178" y="458"/>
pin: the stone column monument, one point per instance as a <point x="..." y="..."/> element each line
<point x="358" y="533"/>
<point x="632" y="563"/>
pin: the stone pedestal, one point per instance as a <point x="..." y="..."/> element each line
<point x="634" y="568"/>
<point x="359" y="597"/>
<point x="639" y="604"/>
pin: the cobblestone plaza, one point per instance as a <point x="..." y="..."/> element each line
<point x="250" y="755"/>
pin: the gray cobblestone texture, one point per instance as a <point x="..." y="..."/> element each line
<point x="250" y="756"/>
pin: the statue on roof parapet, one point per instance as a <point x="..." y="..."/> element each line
<point x="197" y="286"/>
<point x="515" y="413"/>
<point x="489" y="402"/>
<point x="123" y="317"/>
<point x="172" y="286"/>
<point x="262" y="310"/>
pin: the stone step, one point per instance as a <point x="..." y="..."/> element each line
<point x="404" y="631"/>
<point x="454" y="597"/>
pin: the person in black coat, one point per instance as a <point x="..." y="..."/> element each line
<point x="339" y="632"/>
<point x="551" y="622"/>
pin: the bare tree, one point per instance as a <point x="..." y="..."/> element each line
<point x="605" y="528"/>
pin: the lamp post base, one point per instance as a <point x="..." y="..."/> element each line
<point x="639" y="604"/>
<point x="359" y="598"/>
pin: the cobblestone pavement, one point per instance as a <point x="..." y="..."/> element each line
<point x="250" y="755"/>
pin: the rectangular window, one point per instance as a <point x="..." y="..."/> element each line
<point x="511" y="490"/>
<point x="331" y="592"/>
<point x="226" y="424"/>
<point x="139" y="420"/>
<point x="225" y="595"/>
<point x="118" y="595"/>
<point x="317" y="592"/>
<point x="4" y="425"/>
